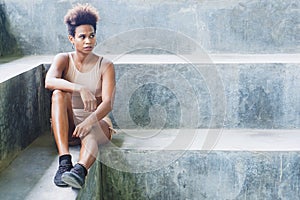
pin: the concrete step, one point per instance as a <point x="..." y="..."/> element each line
<point x="168" y="164"/>
<point x="163" y="92"/>
<point x="30" y="175"/>
<point x="207" y="91"/>
<point x="199" y="164"/>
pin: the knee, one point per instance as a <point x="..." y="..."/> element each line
<point x="58" y="96"/>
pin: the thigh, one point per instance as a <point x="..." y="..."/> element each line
<point x="104" y="135"/>
<point x="100" y="132"/>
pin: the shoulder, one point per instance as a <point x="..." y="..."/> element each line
<point x="106" y="64"/>
<point x="61" y="57"/>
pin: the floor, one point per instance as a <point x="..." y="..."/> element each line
<point x="30" y="175"/>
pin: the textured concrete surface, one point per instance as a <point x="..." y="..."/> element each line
<point x="173" y="163"/>
<point x="237" y="95"/>
<point x="243" y="164"/>
<point x="218" y="175"/>
<point x="30" y="175"/>
<point x="24" y="112"/>
<point x="10" y="45"/>
<point x="20" y="65"/>
<point x="233" y="26"/>
<point x="202" y="95"/>
<point x="225" y="90"/>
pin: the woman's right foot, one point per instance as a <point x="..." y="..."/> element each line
<point x="65" y="165"/>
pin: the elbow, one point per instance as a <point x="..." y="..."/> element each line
<point x="48" y="84"/>
<point x="109" y="106"/>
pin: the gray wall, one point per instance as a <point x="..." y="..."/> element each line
<point x="253" y="95"/>
<point x="196" y="175"/>
<point x="24" y="112"/>
<point x="8" y="44"/>
<point x="231" y="26"/>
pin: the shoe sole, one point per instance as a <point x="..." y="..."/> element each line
<point x="61" y="184"/>
<point x="71" y="179"/>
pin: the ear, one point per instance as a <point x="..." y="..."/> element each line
<point x="71" y="39"/>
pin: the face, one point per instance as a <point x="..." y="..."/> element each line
<point x="84" y="40"/>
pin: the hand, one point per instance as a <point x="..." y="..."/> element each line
<point x="88" y="99"/>
<point x="82" y="130"/>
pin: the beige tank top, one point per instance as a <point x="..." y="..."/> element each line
<point x="91" y="79"/>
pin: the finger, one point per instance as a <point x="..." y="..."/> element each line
<point x="88" y="106"/>
<point x="94" y="105"/>
<point x="85" y="104"/>
<point x="74" y="133"/>
<point x="84" y="131"/>
<point x="91" y="106"/>
<point x="78" y="132"/>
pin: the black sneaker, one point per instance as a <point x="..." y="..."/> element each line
<point x="64" y="166"/>
<point x="76" y="177"/>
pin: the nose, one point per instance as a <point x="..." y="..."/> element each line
<point x="87" y="40"/>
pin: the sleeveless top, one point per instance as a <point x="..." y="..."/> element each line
<point x="91" y="79"/>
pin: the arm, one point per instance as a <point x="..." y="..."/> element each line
<point x="108" y="91"/>
<point x="54" y="79"/>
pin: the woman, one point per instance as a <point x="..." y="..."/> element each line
<point x="83" y="86"/>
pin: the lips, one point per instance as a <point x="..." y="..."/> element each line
<point x="89" y="48"/>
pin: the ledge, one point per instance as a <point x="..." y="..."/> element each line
<point x="16" y="67"/>
<point x="203" y="58"/>
<point x="19" y="66"/>
<point x="218" y="139"/>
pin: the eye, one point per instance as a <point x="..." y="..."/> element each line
<point x="92" y="35"/>
<point x="82" y="36"/>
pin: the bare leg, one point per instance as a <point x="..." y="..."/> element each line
<point x="62" y="120"/>
<point x="89" y="149"/>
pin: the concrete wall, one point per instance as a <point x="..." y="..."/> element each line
<point x="196" y="175"/>
<point x="24" y="112"/>
<point x="263" y="96"/>
<point x="232" y="26"/>
<point x="8" y="44"/>
<point x="217" y="175"/>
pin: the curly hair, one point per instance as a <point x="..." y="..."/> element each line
<point x="81" y="15"/>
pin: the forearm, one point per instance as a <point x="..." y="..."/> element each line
<point x="62" y="84"/>
<point x="102" y="110"/>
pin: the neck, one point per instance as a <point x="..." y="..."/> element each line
<point x="80" y="57"/>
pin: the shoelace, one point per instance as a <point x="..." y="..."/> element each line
<point x="64" y="168"/>
<point x="78" y="170"/>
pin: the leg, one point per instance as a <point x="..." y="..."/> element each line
<point x="62" y="120"/>
<point x="89" y="150"/>
<point x="62" y="124"/>
<point x="88" y="153"/>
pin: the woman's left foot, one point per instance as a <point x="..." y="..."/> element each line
<point x="76" y="177"/>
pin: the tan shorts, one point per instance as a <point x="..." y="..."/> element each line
<point x="80" y="115"/>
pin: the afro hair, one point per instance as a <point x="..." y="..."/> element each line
<point x="81" y="14"/>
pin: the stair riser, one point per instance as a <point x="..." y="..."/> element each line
<point x="207" y="96"/>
